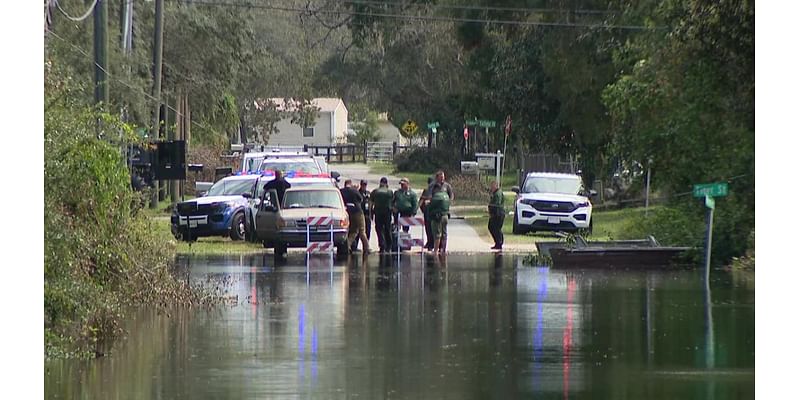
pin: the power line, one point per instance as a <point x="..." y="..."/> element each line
<point x="477" y="8"/>
<point x="150" y="97"/>
<point x="415" y="17"/>
<point x="76" y="19"/>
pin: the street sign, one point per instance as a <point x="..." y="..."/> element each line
<point x="508" y="125"/>
<point x="485" y="123"/>
<point x="433" y="126"/>
<point x="472" y="122"/>
<point x="710" y="202"/>
<point x="719" y="189"/>
<point x="410" y="127"/>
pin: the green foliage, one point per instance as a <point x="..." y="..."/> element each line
<point x="366" y="127"/>
<point x="100" y="255"/>
<point x="425" y="160"/>
<point x="302" y="111"/>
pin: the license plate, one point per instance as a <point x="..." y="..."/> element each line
<point x="194" y="222"/>
<point x="553" y="220"/>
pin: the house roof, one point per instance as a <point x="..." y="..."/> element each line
<point x="325" y="104"/>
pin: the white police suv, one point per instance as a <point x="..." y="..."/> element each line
<point x="552" y="202"/>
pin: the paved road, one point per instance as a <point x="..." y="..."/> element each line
<point x="462" y="237"/>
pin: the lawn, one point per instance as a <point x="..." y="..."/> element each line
<point x="420" y="180"/>
<point x="608" y="225"/>
<point x="206" y="245"/>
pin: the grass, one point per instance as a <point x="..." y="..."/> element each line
<point x="607" y="225"/>
<point x="206" y="245"/>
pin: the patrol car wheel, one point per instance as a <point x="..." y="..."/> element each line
<point x="237" y="227"/>
<point x="516" y="228"/>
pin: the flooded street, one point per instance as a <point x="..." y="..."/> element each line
<point x="468" y="326"/>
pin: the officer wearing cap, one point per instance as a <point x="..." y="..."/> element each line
<point x="365" y="208"/>
<point x="404" y="202"/>
<point x="381" y="210"/>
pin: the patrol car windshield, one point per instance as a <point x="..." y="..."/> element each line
<point x="312" y="199"/>
<point x="552" y="185"/>
<point x="231" y="187"/>
<point x="307" y="167"/>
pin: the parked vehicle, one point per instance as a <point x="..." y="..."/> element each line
<point x="221" y="212"/>
<point x="281" y="226"/>
<point x="552" y="202"/>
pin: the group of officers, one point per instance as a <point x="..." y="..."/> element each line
<point x="386" y="207"/>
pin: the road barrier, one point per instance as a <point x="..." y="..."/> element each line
<point x="321" y="246"/>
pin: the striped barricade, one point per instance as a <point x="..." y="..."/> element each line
<point x="411" y="221"/>
<point x="404" y="240"/>
<point x="319" y="247"/>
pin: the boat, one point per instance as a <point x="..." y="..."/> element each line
<point x="643" y="253"/>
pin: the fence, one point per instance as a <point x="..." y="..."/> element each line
<point x="384" y="151"/>
<point x="338" y="153"/>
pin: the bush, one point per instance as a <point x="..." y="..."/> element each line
<point x="428" y="160"/>
<point x="469" y="187"/>
<point x="209" y="156"/>
<point x="100" y="256"/>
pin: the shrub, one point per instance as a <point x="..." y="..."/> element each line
<point x="428" y="160"/>
<point x="469" y="187"/>
<point x="100" y="256"/>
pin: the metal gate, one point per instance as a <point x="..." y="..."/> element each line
<point x="380" y="151"/>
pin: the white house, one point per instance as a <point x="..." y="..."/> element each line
<point x="330" y="128"/>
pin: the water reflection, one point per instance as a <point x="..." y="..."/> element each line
<point x="431" y="327"/>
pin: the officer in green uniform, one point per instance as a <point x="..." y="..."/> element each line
<point x="497" y="214"/>
<point x="438" y="210"/>
<point x="381" y="210"/>
<point x="404" y="203"/>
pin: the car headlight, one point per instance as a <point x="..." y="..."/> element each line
<point x="344" y="223"/>
<point x="527" y="201"/>
<point x="581" y="205"/>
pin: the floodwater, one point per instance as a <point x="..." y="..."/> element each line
<point x="464" y="327"/>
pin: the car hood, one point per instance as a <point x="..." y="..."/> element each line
<point x="554" y="197"/>
<point x="300" y="213"/>
<point x="214" y="199"/>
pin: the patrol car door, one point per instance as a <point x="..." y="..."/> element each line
<point x="267" y="215"/>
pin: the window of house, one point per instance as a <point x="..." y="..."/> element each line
<point x="308" y="132"/>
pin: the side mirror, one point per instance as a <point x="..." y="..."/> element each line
<point x="515" y="189"/>
<point x="335" y="175"/>
<point x="247" y="195"/>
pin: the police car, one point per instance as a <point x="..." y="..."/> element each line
<point x="552" y="202"/>
<point x="229" y="207"/>
<point x="222" y="211"/>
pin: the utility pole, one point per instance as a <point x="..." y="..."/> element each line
<point x="101" y="52"/>
<point x="158" y="47"/>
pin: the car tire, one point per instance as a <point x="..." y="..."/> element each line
<point x="238" y="231"/>
<point x="280" y="249"/>
<point x="516" y="228"/>
<point x="266" y="244"/>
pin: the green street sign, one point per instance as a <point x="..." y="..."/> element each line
<point x="433" y="125"/>
<point x="710" y="202"/>
<point x="719" y="189"/>
<point x="485" y="123"/>
<point x="472" y="122"/>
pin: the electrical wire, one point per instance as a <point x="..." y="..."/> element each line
<point x="150" y="97"/>
<point x="477" y="8"/>
<point x="76" y="19"/>
<point x="415" y="17"/>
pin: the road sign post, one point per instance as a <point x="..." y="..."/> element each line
<point x="708" y="191"/>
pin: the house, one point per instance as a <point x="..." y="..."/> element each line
<point x="330" y="127"/>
